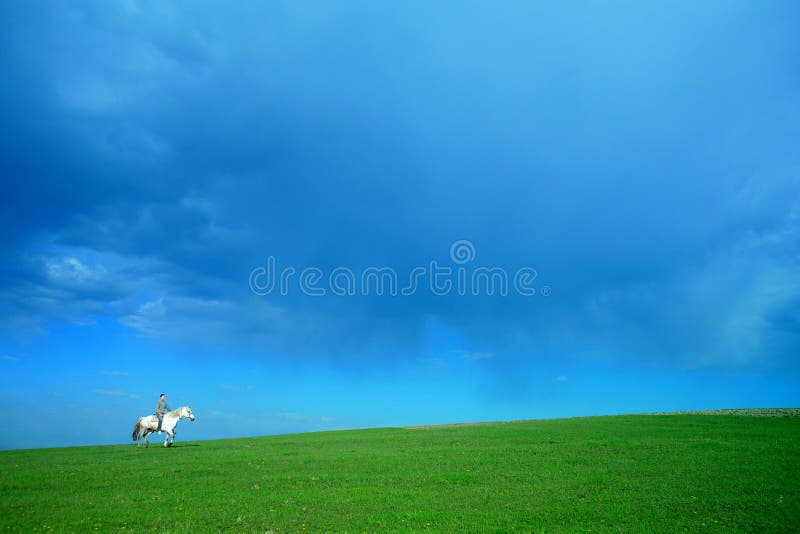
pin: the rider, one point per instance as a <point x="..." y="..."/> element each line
<point x="161" y="408"/>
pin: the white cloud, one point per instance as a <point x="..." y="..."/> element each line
<point x="65" y="284"/>
<point x="562" y="378"/>
<point x="72" y="272"/>
<point x="9" y="358"/>
<point x="148" y="318"/>
<point x="207" y="320"/>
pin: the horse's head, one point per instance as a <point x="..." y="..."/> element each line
<point x="187" y="412"/>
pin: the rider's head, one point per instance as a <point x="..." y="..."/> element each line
<point x="163" y="395"/>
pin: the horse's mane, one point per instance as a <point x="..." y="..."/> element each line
<point x="176" y="412"/>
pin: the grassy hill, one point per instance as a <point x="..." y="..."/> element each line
<point x="640" y="473"/>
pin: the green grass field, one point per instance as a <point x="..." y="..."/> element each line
<point x="666" y="473"/>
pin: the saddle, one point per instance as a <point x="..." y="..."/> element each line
<point x="151" y="417"/>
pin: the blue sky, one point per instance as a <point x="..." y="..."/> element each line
<point x="637" y="160"/>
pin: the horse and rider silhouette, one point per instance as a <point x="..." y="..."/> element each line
<point x="164" y="420"/>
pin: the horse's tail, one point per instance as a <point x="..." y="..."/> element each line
<point x="136" y="431"/>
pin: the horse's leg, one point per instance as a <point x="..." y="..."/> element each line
<point x="147" y="438"/>
<point x="170" y="436"/>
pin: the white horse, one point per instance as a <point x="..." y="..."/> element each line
<point x="149" y="423"/>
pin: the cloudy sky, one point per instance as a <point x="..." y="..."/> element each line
<point x="299" y="216"/>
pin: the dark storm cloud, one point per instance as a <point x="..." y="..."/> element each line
<point x="641" y="158"/>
